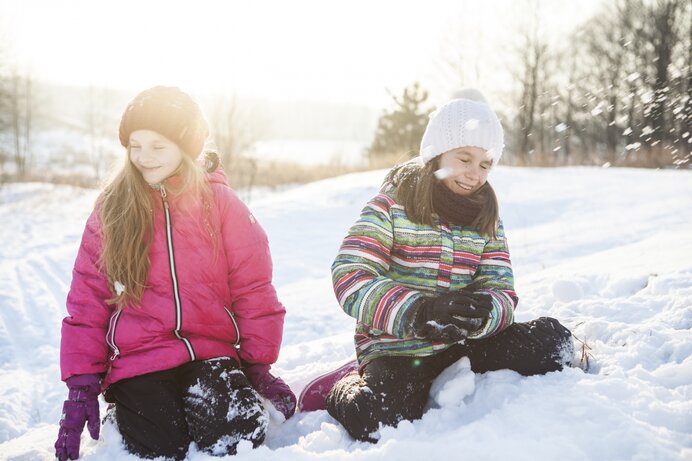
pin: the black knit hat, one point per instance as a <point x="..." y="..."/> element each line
<point x="170" y="112"/>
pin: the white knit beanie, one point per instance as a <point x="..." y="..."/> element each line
<point x="464" y="121"/>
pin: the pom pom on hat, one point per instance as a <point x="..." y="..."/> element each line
<point x="170" y="112"/>
<point x="470" y="93"/>
<point x="466" y="120"/>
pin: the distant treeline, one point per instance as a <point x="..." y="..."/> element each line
<point x="619" y="93"/>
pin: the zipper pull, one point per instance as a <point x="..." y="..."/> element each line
<point x="164" y="194"/>
<point x="116" y="353"/>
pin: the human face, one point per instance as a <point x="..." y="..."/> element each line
<point x="154" y="155"/>
<point x="465" y="169"/>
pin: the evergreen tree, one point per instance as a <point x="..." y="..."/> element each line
<point x="400" y="130"/>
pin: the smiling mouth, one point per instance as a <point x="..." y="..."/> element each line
<point x="463" y="186"/>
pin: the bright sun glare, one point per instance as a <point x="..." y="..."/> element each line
<point x="358" y="51"/>
<point x="293" y="50"/>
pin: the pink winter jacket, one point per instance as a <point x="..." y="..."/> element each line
<point x="212" y="303"/>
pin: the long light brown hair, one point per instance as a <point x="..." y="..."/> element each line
<point x="413" y="187"/>
<point x="126" y="212"/>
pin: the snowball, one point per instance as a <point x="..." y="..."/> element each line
<point x="454" y="384"/>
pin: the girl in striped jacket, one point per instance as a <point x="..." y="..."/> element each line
<point x="426" y="273"/>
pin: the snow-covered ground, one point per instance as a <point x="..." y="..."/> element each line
<point x="606" y="251"/>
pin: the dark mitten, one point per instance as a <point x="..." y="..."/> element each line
<point x="271" y="388"/>
<point x="81" y="407"/>
<point x="452" y="317"/>
<point x="478" y="309"/>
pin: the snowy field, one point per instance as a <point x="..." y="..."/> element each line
<point x="606" y="251"/>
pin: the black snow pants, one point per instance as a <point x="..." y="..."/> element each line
<point x="208" y="402"/>
<point x="393" y="388"/>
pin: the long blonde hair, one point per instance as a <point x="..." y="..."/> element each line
<point x="413" y="187"/>
<point x="127" y="225"/>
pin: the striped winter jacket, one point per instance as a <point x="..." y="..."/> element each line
<point x="387" y="262"/>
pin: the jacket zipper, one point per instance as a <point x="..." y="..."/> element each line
<point x="174" y="276"/>
<point x="110" y="335"/>
<point x="235" y="325"/>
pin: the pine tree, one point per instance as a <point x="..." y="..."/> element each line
<point x="400" y="130"/>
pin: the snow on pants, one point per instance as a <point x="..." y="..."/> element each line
<point x="390" y="389"/>
<point x="207" y="402"/>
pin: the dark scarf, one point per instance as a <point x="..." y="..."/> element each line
<point x="457" y="209"/>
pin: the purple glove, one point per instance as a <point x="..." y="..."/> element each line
<point x="271" y="388"/>
<point x="81" y="406"/>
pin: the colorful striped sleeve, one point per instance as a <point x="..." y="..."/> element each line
<point x="359" y="273"/>
<point x="495" y="277"/>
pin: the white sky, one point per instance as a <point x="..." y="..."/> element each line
<point x="350" y="51"/>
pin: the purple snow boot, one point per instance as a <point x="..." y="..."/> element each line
<point x="314" y="396"/>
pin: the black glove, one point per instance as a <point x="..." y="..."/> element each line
<point x="453" y="316"/>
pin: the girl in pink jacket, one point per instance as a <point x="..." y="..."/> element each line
<point x="172" y="311"/>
